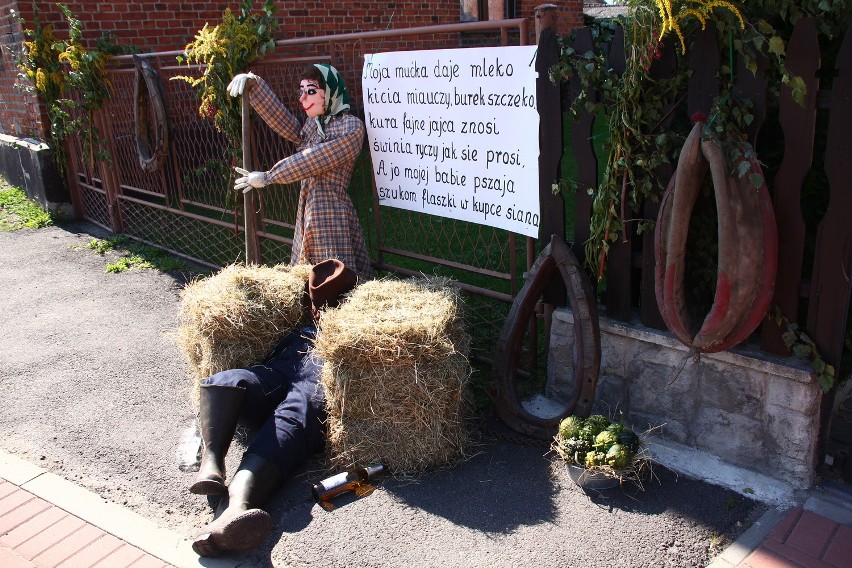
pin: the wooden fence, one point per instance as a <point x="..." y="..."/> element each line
<point x="823" y="294"/>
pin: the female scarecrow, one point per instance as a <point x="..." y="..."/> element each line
<point x="328" y="144"/>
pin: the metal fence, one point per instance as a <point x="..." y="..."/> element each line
<point x="188" y="206"/>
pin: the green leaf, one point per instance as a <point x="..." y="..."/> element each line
<point x="801" y="350"/>
<point x="799" y="89"/>
<point x="751" y="65"/>
<point x="776" y="45"/>
<point x="818" y="365"/>
<point x="742" y="168"/>
<point x="756" y="180"/>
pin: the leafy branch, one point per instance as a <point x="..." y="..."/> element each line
<point x="59" y="69"/>
<point x="223" y="51"/>
<point x="803" y="347"/>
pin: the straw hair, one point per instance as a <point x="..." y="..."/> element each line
<point x="395" y="375"/>
<point x="232" y="319"/>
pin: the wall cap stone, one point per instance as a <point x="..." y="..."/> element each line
<point x="788" y="367"/>
<point x="28" y="143"/>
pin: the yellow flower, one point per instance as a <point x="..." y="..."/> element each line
<point x="41" y="80"/>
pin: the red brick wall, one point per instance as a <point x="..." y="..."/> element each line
<point x="19" y="111"/>
<point x="170" y="25"/>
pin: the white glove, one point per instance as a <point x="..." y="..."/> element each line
<point x="238" y="83"/>
<point x="249" y="180"/>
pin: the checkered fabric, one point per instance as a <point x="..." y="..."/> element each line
<point x="326" y="223"/>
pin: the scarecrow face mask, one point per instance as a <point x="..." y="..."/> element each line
<point x="312" y="98"/>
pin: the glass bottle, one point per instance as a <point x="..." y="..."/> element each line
<point x="348" y="480"/>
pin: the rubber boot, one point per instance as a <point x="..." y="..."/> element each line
<point x="219" y="410"/>
<point x="240" y="524"/>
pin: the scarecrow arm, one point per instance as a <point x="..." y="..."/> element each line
<point x="337" y="149"/>
<point x="275" y="114"/>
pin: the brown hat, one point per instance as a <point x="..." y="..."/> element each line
<point x="327" y="282"/>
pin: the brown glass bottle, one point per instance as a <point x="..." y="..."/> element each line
<point x="344" y="481"/>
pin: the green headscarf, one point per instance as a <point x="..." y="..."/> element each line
<point x="336" y="95"/>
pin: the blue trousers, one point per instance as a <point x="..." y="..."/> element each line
<point x="284" y="400"/>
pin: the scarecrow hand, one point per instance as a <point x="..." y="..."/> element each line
<point x="249" y="180"/>
<point x="239" y="82"/>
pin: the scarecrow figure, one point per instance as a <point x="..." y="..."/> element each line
<point x="283" y="398"/>
<point x="329" y="142"/>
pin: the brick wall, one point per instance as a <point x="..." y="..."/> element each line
<point x="169" y="25"/>
<point x="19" y="111"/>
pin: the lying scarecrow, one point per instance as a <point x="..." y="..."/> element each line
<point x="281" y="398"/>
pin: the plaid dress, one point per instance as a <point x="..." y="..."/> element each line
<point x="327" y="225"/>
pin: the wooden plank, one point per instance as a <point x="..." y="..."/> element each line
<point x="548" y="98"/>
<point x="830" y="284"/>
<point x="703" y="85"/>
<point x="752" y="86"/>
<point x="619" y="263"/>
<point x="798" y="123"/>
<point x="649" y="312"/>
<point x="587" y="162"/>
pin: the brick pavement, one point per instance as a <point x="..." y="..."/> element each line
<point x="37" y="534"/>
<point x="804" y="539"/>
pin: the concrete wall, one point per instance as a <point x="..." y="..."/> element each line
<point x="28" y="164"/>
<point x="744" y="408"/>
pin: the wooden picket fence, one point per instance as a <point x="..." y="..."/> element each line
<point x="825" y="292"/>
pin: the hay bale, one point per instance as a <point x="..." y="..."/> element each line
<point x="396" y="374"/>
<point x="233" y="318"/>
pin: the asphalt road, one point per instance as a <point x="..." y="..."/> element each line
<point x="95" y="390"/>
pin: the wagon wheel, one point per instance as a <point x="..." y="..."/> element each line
<point x="555" y="259"/>
<point x="151" y="155"/>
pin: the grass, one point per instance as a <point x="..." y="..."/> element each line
<point x="19" y="212"/>
<point x="135" y="255"/>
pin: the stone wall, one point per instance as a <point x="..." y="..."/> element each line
<point x="745" y="408"/>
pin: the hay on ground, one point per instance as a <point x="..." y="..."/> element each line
<point x="233" y="318"/>
<point x="396" y="375"/>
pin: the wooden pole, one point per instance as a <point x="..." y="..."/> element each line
<point x="249" y="215"/>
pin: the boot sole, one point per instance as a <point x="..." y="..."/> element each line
<point x="208" y="487"/>
<point x="244" y="532"/>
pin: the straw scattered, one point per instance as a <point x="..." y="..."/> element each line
<point x="396" y="375"/>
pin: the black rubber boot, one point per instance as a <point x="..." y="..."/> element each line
<point x="240" y="524"/>
<point x="219" y="410"/>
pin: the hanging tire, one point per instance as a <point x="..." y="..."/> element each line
<point x="149" y="93"/>
<point x="555" y="260"/>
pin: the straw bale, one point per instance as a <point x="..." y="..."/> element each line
<point x="395" y="375"/>
<point x="233" y="318"/>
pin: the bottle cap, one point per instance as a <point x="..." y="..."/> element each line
<point x="374" y="469"/>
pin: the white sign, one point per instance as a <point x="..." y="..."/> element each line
<point x="454" y="133"/>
